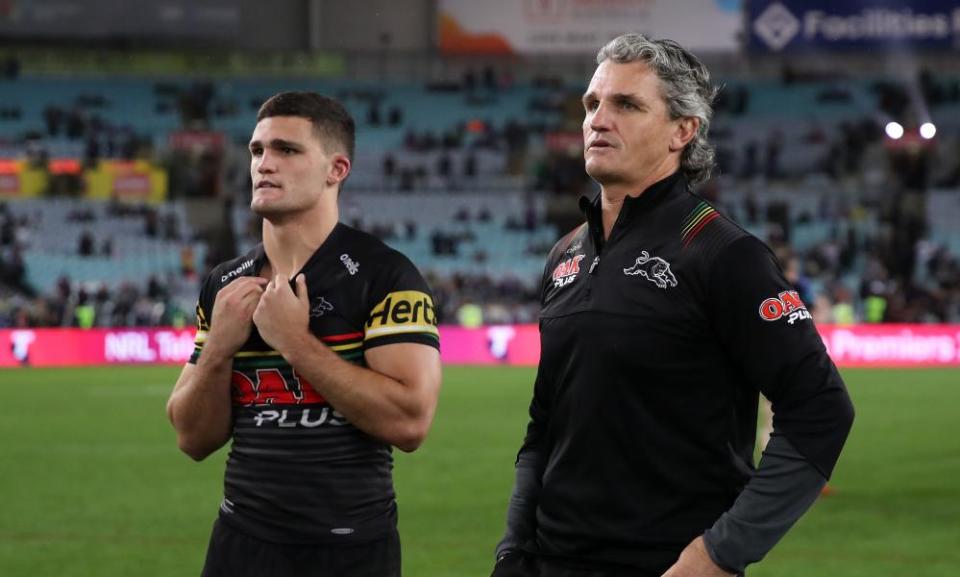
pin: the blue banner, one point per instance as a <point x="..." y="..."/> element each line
<point x="823" y="25"/>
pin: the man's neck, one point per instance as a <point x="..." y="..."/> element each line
<point x="290" y="242"/>
<point x="612" y="195"/>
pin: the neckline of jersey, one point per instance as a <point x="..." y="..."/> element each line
<point x="259" y="253"/>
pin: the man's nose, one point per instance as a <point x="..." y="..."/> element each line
<point x="600" y="120"/>
<point x="266" y="163"/>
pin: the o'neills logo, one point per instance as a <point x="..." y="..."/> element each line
<point x="236" y="272"/>
<point x="352" y="265"/>
<point x="787" y="303"/>
<point x="402" y="312"/>
<point x="567" y="271"/>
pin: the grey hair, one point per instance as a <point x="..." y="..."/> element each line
<point x="687" y="91"/>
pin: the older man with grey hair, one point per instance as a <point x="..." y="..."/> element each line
<point x="661" y="323"/>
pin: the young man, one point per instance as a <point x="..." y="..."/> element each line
<point x="316" y="352"/>
<point x="638" y="455"/>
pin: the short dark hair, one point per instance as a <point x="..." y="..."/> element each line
<point x="330" y="119"/>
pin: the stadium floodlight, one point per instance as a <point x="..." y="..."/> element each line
<point x="928" y="130"/>
<point x="894" y="130"/>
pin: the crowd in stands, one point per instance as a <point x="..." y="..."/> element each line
<point x="75" y="305"/>
<point x="164" y="299"/>
<point x="874" y="256"/>
<point x="852" y="277"/>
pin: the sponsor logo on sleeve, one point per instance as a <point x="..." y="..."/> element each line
<point x="202" y="328"/>
<point x="654" y="269"/>
<point x="786" y="304"/>
<point x="402" y="312"/>
<point x="567" y="271"/>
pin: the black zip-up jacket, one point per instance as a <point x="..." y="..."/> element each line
<point x="655" y="345"/>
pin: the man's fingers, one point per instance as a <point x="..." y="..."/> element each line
<point x="246" y="282"/>
<point x="242" y="286"/>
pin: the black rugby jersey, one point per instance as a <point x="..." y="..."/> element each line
<point x="655" y="345"/>
<point x="298" y="472"/>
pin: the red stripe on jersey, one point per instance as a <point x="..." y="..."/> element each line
<point x="343" y="337"/>
<point x="698" y="228"/>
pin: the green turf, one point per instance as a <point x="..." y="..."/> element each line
<point x="93" y="484"/>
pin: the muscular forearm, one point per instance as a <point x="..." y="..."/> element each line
<point x="200" y="407"/>
<point x="390" y="409"/>
<point x="784" y="486"/>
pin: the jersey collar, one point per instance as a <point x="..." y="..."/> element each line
<point x="259" y="254"/>
<point x="259" y="257"/>
<point x="653" y="196"/>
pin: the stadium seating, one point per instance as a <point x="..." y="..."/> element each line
<point x="793" y="130"/>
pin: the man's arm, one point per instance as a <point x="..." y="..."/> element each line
<point x="531" y="460"/>
<point x="394" y="399"/>
<point x="781" y="490"/>
<point x="199" y="406"/>
<point x="522" y="508"/>
<point x="532" y="457"/>
<point x="783" y="356"/>
<point x="784" y="486"/>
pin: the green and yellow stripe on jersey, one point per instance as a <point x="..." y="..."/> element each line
<point x="696" y="221"/>
<point x="349" y="346"/>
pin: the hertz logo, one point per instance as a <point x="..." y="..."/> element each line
<point x="202" y="325"/>
<point x="402" y="312"/>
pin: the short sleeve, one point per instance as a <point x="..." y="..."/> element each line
<point x="402" y="309"/>
<point x="204" y="308"/>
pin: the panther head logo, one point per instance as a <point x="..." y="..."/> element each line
<point x="654" y="269"/>
<point x="321" y="307"/>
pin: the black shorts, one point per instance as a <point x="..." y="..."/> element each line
<point x="232" y="553"/>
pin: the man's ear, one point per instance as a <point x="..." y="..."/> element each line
<point x="339" y="169"/>
<point x="686" y="129"/>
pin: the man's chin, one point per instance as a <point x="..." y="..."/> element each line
<point x="601" y="175"/>
<point x="264" y="210"/>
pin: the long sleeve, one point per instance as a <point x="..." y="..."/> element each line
<point x="768" y="333"/>
<point x="782" y="489"/>
<point x="522" y="508"/>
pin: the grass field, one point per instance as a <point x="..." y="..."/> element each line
<point x="93" y="484"/>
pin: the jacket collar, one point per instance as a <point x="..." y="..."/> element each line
<point x="650" y="198"/>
